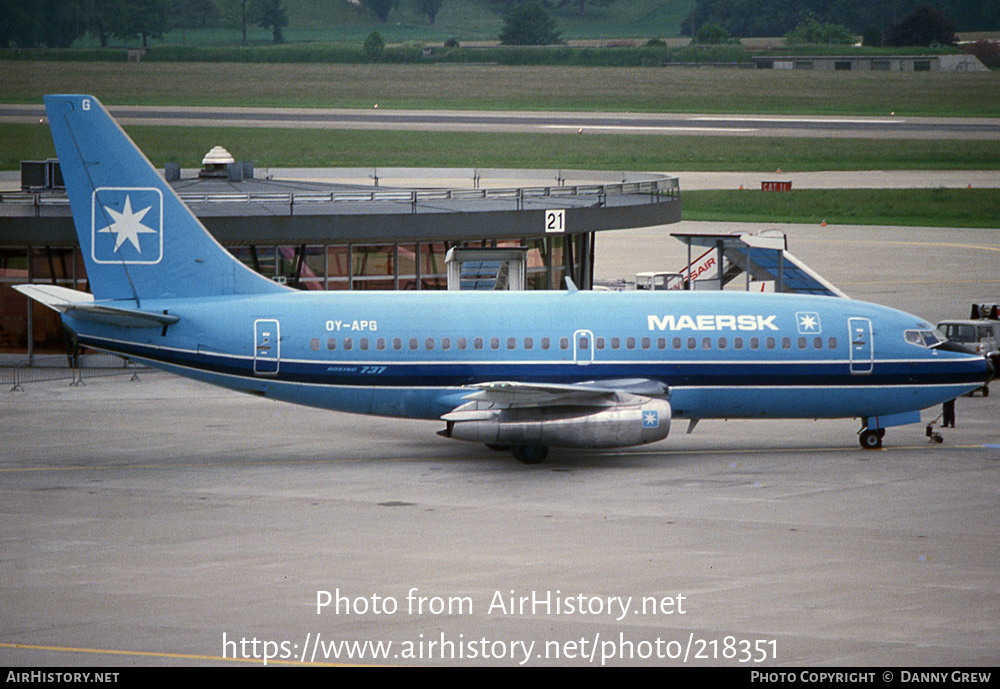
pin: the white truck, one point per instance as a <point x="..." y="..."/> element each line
<point x="980" y="332"/>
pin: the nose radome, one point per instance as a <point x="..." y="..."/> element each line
<point x="992" y="365"/>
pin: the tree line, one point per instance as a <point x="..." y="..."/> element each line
<point x="747" y="18"/>
<point x="57" y="23"/>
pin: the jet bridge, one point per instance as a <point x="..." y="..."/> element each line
<point x="716" y="261"/>
<point x="486" y="269"/>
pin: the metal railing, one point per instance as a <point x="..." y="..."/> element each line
<point x="38" y="369"/>
<point x="665" y="188"/>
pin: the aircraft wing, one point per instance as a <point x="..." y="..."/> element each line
<point x="597" y="393"/>
<point x="82" y="305"/>
<point x="597" y="413"/>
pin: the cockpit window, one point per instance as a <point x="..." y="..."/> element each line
<point x="924" y="338"/>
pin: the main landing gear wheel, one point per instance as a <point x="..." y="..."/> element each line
<point x="871" y="439"/>
<point x="530" y="454"/>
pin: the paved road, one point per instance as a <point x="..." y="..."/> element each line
<point x="149" y="523"/>
<point x="146" y="523"/>
<point x="459" y="178"/>
<point x="163" y="522"/>
<point x="568" y="122"/>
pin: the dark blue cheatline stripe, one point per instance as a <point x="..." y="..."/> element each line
<point x="677" y="374"/>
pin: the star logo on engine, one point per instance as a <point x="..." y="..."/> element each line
<point x="127" y="225"/>
<point x="650" y="419"/>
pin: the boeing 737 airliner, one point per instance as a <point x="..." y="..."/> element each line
<point x="519" y="370"/>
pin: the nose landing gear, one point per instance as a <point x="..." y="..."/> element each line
<point x="871" y="438"/>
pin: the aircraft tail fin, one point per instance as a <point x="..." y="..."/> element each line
<point x="138" y="239"/>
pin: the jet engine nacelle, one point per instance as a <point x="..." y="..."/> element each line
<point x="571" y="426"/>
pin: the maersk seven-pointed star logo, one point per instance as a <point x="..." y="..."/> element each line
<point x="808" y="322"/>
<point x="650" y="419"/>
<point x="127" y="225"/>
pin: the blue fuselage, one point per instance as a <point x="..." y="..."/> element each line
<point x="722" y="355"/>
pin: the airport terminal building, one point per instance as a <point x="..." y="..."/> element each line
<point x="345" y="229"/>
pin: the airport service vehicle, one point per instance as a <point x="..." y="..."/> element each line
<point x="980" y="332"/>
<point x="519" y="370"/>
<point x="658" y="280"/>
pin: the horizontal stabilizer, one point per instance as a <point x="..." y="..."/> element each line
<point x="82" y="305"/>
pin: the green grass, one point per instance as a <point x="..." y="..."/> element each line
<point x="913" y="207"/>
<point x="624" y="19"/>
<point x="407" y="54"/>
<point x="511" y="88"/>
<point x="467" y="20"/>
<point x="325" y="148"/>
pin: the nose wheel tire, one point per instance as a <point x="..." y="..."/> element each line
<point x="871" y="439"/>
